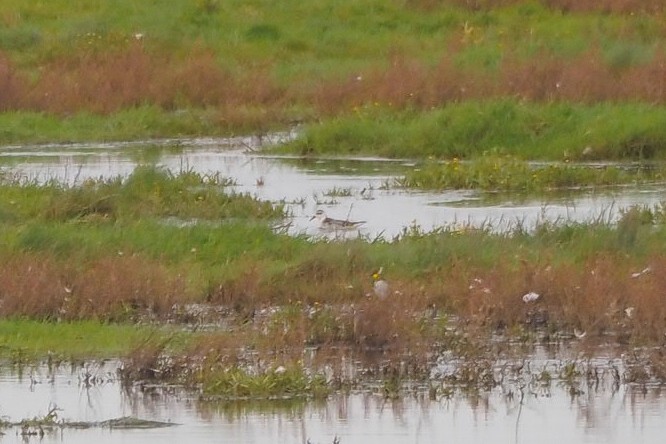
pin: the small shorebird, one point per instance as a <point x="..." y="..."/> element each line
<point x="327" y="223"/>
<point x="380" y="286"/>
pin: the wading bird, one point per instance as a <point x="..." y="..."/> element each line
<point x="327" y="223"/>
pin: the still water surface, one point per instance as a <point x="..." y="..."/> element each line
<point x="601" y="414"/>
<point x="351" y="188"/>
<point x="598" y="415"/>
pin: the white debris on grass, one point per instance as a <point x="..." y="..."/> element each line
<point x="530" y="297"/>
<point x="641" y="273"/>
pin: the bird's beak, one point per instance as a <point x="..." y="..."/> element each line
<point x="312" y="217"/>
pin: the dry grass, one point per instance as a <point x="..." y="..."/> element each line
<point x="587" y="78"/>
<point x="148" y="361"/>
<point x="11" y="85"/>
<point x="115" y="288"/>
<point x="104" y="82"/>
<point x="31" y="286"/>
<point x="605" y="294"/>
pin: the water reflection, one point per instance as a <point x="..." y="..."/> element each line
<point x="598" y="413"/>
<point x="517" y="411"/>
<point x="306" y="185"/>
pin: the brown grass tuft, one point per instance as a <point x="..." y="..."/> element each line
<point x="104" y="82"/>
<point x="605" y="295"/>
<point x="31" y="286"/>
<point x="92" y="81"/>
<point x="12" y="87"/>
<point x="110" y="289"/>
<point x="124" y="286"/>
<point x="587" y="78"/>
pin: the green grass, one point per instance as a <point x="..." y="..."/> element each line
<point x="149" y="192"/>
<point x="24" y="339"/>
<point x="283" y="383"/>
<point x="214" y="251"/>
<point x="142" y="123"/>
<point x="89" y="272"/>
<point x="308" y="38"/>
<point x="393" y="79"/>
<point x="188" y="218"/>
<point x="294" y="61"/>
<point x="159" y="217"/>
<point x="466" y="130"/>
<point x="508" y="174"/>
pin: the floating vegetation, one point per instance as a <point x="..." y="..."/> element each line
<point x="510" y="174"/>
<point x="277" y="383"/>
<point x="130" y="422"/>
<point x="324" y="200"/>
<point x="39" y="426"/>
<point x="338" y="192"/>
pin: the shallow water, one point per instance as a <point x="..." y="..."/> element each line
<point x="354" y="189"/>
<point x="605" y="414"/>
<point x="600" y="414"/>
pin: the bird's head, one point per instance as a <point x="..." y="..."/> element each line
<point x="319" y="215"/>
<point x="377" y="275"/>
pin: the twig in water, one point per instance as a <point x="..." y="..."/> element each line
<point x="350" y="208"/>
<point x="520" y="409"/>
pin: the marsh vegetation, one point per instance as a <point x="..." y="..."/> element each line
<point x="120" y="72"/>
<point x="478" y="94"/>
<point x="189" y="282"/>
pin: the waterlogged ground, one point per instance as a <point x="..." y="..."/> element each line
<point x="354" y="189"/>
<point x="593" y="401"/>
<point x="521" y="409"/>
